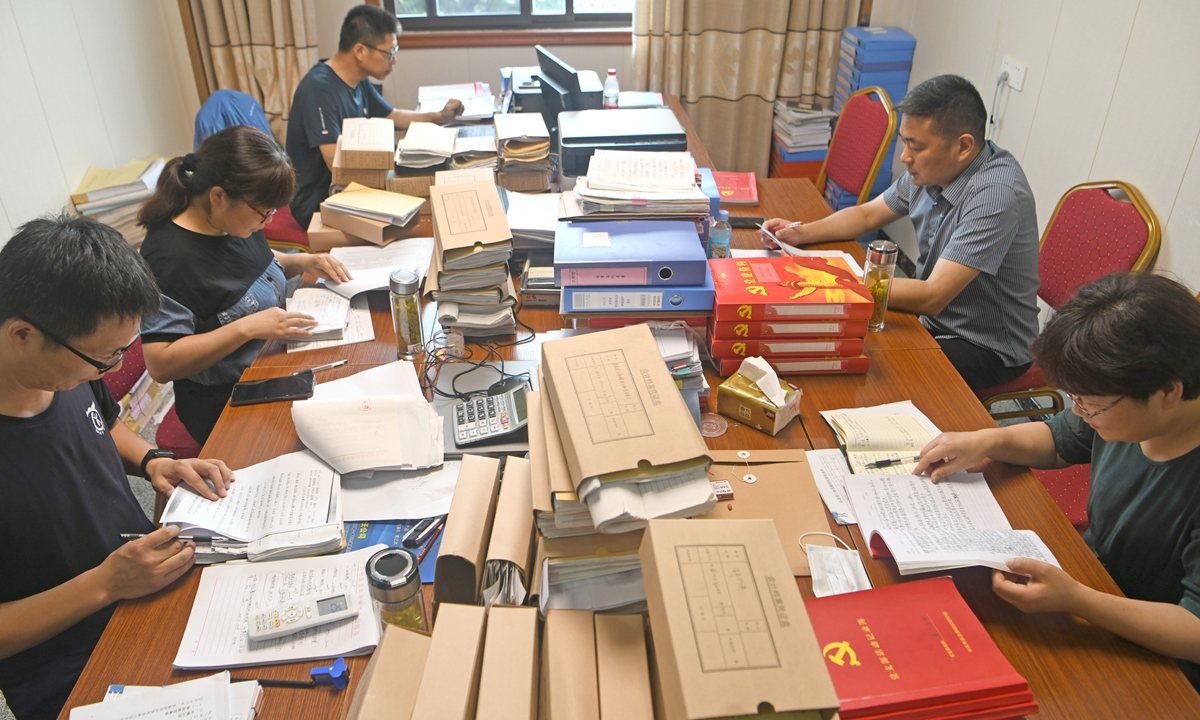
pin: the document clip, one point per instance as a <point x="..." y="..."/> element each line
<point x="337" y="674"/>
<point x="749" y="477"/>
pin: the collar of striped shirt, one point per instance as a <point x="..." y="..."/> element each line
<point x="958" y="187"/>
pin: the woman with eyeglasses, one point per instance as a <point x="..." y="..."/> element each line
<point x="223" y="287"/>
<point x="1126" y="350"/>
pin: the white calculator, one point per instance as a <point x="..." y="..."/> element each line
<point x="491" y="418"/>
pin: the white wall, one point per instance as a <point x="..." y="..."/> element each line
<point x="86" y="82"/>
<point x="1109" y="96"/>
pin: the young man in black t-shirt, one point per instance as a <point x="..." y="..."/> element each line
<point x="72" y="294"/>
<point x="340" y="88"/>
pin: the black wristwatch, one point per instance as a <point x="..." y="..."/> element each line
<point x="154" y="454"/>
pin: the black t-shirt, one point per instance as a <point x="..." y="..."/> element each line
<point x="64" y="500"/>
<point x="322" y="100"/>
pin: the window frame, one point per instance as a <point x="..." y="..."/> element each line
<point x="526" y="20"/>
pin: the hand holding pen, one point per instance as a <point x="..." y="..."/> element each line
<point x="771" y="231"/>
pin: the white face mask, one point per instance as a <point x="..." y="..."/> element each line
<point x="834" y="570"/>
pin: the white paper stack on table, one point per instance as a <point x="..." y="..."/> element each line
<point x="803" y="131"/>
<point x="358" y="329"/>
<point x="473" y="248"/>
<point x="532" y="217"/>
<point x="425" y="145"/>
<point x="475" y="147"/>
<point x="367" y="425"/>
<point x="524" y="143"/>
<point x="637" y="184"/>
<point x="115" y="197"/>
<point x="211" y="698"/>
<point x="371" y="267"/>
<point x="478" y="102"/>
<point x="286" y="507"/>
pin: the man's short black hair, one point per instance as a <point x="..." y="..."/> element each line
<point x="368" y="25"/>
<point x="953" y="104"/>
<point x="1129" y="334"/>
<point x="68" y="274"/>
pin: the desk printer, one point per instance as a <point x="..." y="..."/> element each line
<point x="582" y="133"/>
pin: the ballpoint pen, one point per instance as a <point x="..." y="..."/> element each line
<point x="183" y="538"/>
<point x="328" y="366"/>
<point x="890" y="462"/>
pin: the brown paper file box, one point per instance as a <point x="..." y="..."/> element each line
<point x="512" y="530"/>
<point x="784" y="491"/>
<point x="450" y="683"/>
<point x="375" y="232"/>
<point x="580" y="546"/>
<point x="388" y="687"/>
<point x="539" y="461"/>
<point x="569" y="689"/>
<point x="468" y="530"/>
<point x="508" y="683"/>
<point x="731" y="635"/>
<point x="622" y="670"/>
<point x="323" y="239"/>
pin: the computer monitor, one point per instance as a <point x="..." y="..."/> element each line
<point x="564" y="88"/>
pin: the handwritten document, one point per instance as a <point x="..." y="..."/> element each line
<point x="290" y="492"/>
<point x="358" y="329"/>
<point x="328" y="308"/>
<point x="228" y="594"/>
<point x="829" y="469"/>
<point x="871" y="438"/>
<point x="203" y="699"/>
<point x="632" y="170"/>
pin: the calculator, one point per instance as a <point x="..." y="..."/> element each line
<point x="491" y="418"/>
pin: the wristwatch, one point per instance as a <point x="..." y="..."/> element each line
<point x="154" y="454"/>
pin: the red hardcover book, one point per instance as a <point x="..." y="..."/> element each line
<point x="737" y="330"/>
<point x="911" y="646"/>
<point x="998" y="707"/>
<point x="737" y="188"/>
<point x="802" y="365"/>
<point x="814" y="347"/>
<point x="796" y="288"/>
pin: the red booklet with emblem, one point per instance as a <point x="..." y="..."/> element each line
<point x="914" y="651"/>
<point x="737" y="188"/>
<point x="815" y="347"/>
<point x="801" y="364"/>
<point x="731" y="330"/>
<point x="794" y="288"/>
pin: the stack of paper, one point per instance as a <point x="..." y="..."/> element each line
<point x="425" y="145"/>
<point x="479" y="300"/>
<point x="597" y="572"/>
<point x="212" y="698"/>
<point x="532" y="218"/>
<point x="629" y="181"/>
<point x="285" y="507"/>
<point x="803" y="131"/>
<point x="374" y="204"/>
<point x="882" y="444"/>
<point x="524" y="144"/>
<point x="475" y="147"/>
<point x="114" y="197"/>
<point x="372" y="267"/>
<point x="557" y="510"/>
<point x="478" y="102"/>
<point x="358" y="329"/>
<point x="329" y="309"/>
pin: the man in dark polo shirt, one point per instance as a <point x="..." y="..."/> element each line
<point x="72" y="294"/>
<point x="977" y="274"/>
<point x="340" y="88"/>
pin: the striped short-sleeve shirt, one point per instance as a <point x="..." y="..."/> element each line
<point x="984" y="219"/>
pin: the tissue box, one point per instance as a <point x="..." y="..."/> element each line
<point x="740" y="399"/>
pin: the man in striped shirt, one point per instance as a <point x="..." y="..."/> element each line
<point x="977" y="274"/>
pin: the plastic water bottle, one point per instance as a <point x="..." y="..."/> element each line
<point x="611" y="90"/>
<point x="720" y="235"/>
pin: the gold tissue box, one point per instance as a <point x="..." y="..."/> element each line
<point x="740" y="399"/>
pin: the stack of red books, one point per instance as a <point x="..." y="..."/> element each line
<point x="803" y="315"/>
<point x="915" y="651"/>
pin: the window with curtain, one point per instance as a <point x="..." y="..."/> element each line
<point x="507" y="14"/>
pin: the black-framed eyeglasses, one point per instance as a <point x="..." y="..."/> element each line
<point x="1088" y="413"/>
<point x="264" y="214"/>
<point x="101" y="367"/>
<point x="390" y="55"/>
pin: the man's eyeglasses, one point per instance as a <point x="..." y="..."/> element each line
<point x="390" y="55"/>
<point x="101" y="367"/>
<point x="264" y="214"/>
<point x="1088" y="413"/>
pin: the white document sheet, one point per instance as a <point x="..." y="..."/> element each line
<point x="517" y="126"/>
<point x="290" y="492"/>
<point x="328" y="308"/>
<point x="631" y="170"/>
<point x="829" y="469"/>
<point x="377" y="432"/>
<point x="368" y="134"/>
<point x="228" y="594"/>
<point x="897" y="408"/>
<point x="202" y="699"/>
<point x="395" y="378"/>
<point x="400" y="494"/>
<point x="932" y="550"/>
<point x="245" y="697"/>
<point x="358" y="329"/>
<point x="531" y="212"/>
<point x="618" y="507"/>
<point x="371" y="266"/>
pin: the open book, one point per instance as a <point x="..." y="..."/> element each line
<point x="329" y="309"/>
<point x="286" y="507"/>
<point x="927" y="527"/>
<point x="870" y="438"/>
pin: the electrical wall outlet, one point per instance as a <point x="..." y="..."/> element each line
<point x="1016" y="72"/>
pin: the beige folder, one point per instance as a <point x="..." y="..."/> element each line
<point x="468" y="530"/>
<point x="622" y="669"/>
<point x="450" y="684"/>
<point x="512" y="530"/>
<point x="508" y="683"/>
<point x="569" y="689"/>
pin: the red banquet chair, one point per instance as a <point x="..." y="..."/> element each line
<point x="284" y="233"/>
<point x="860" y="142"/>
<point x="171" y="433"/>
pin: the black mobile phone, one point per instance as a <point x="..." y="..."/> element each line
<point x="288" y="387"/>
<point x="744" y="222"/>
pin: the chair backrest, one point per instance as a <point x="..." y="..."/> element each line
<point x="122" y="380"/>
<point x="860" y="141"/>
<point x="226" y="108"/>
<point x="1097" y="228"/>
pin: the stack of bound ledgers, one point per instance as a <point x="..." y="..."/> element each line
<point x="475" y="147"/>
<point x="612" y="446"/>
<point x="425" y="145"/>
<point x="647" y="185"/>
<point x="524" y="143"/>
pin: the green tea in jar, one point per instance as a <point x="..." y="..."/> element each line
<point x="877" y="276"/>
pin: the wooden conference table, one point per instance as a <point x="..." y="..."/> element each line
<point x="1074" y="670"/>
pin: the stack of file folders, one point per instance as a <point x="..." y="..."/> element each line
<point x="115" y="197"/>
<point x="478" y="102"/>
<point x="532" y="217"/>
<point x="425" y="145"/>
<point x="624" y="184"/>
<point x="803" y="315"/>
<point x="475" y="147"/>
<point x="379" y="216"/>
<point x="524" y="145"/>
<point x="800" y="131"/>
<point x="469" y="275"/>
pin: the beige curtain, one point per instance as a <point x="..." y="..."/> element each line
<point x="260" y="47"/>
<point x="730" y="59"/>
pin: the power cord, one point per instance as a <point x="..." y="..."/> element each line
<point x="1000" y="80"/>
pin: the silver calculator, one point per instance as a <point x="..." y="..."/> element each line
<point x="491" y="418"/>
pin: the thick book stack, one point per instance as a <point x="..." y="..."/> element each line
<point x="475" y="147"/>
<point x="114" y="197"/>
<point x="872" y="56"/>
<point x="803" y="315"/>
<point x="915" y="650"/>
<point x="798" y="129"/>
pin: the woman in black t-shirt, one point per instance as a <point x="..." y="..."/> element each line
<point x="223" y="287"/>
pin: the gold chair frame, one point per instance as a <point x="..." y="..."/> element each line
<point x="879" y="154"/>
